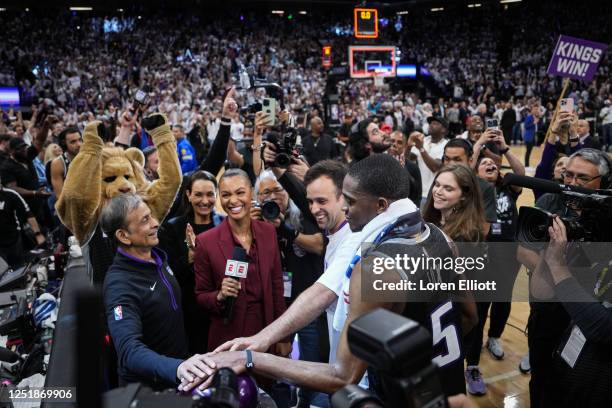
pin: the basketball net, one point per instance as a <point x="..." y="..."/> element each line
<point x="379" y="81"/>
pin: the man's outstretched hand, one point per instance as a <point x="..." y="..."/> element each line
<point x="236" y="360"/>
<point x="243" y="343"/>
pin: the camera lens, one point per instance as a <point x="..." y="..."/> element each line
<point x="532" y="225"/>
<point x="270" y="210"/>
<point x="283" y="160"/>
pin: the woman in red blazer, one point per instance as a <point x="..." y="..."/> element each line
<point x="259" y="297"/>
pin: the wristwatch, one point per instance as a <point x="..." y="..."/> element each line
<point x="504" y="151"/>
<point x="249" y="360"/>
<point x="258" y="147"/>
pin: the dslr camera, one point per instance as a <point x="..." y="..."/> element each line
<point x="285" y="143"/>
<point x="400" y="350"/>
<point x="269" y="209"/>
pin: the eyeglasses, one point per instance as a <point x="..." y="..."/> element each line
<point x="580" y="179"/>
<point x="267" y="193"/>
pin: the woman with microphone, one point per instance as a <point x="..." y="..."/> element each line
<point x="239" y="307"/>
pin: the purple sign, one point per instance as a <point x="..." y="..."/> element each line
<point x="576" y="58"/>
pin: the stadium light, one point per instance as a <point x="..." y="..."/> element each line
<point x="474" y="5"/>
<point x="402" y="13"/>
<point x="81" y="8"/>
<point x="2" y="9"/>
<point x="120" y="10"/>
<point x="509" y="1"/>
<point x="437" y="9"/>
<point x="303" y="13"/>
<point x="279" y="12"/>
<point x="27" y="9"/>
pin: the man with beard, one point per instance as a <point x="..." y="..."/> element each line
<point x="367" y="138"/>
<point x="70" y="141"/>
<point x="429" y="151"/>
<point x="19" y="174"/>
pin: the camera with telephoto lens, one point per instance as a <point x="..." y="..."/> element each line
<point x="400" y="351"/>
<point x="285" y="144"/>
<point x="594" y="224"/>
<point x="269" y="209"/>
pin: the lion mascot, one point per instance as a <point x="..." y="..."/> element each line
<point x="99" y="173"/>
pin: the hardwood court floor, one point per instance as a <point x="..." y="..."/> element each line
<point x="506" y="386"/>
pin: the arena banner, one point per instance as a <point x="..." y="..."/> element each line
<point x="576" y="58"/>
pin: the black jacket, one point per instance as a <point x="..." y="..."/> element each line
<point x="323" y="150"/>
<point x="142" y="301"/>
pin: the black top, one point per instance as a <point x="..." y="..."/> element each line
<point x="441" y="313"/>
<point x="504" y="228"/>
<point x="489" y="200"/>
<point x="416" y="186"/>
<point x="13" y="212"/>
<point x="317" y="149"/>
<point x="142" y="301"/>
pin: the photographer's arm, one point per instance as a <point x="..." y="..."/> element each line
<point x="297" y="192"/>
<point x="232" y="154"/>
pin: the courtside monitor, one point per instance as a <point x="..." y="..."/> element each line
<point x="369" y="61"/>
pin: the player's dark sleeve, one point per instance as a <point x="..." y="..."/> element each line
<point x="216" y="155"/>
<point x="593" y="319"/>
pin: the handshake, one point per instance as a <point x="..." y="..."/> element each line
<point x="199" y="370"/>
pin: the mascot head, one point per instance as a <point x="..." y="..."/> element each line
<point x="122" y="172"/>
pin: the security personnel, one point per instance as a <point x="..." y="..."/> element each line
<point x="186" y="152"/>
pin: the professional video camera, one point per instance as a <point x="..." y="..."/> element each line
<point x="594" y="224"/>
<point x="400" y="350"/>
<point x="248" y="81"/>
<point x="285" y="143"/>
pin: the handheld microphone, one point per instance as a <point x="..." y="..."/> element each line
<point x="546" y="186"/>
<point x="237" y="268"/>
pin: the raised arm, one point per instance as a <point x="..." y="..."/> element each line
<point x="162" y="192"/>
<point x="78" y="206"/>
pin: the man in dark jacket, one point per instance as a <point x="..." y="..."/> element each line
<point x="318" y="145"/>
<point x="142" y="301"/>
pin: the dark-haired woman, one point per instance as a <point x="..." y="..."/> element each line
<point x="177" y="238"/>
<point x="258" y="297"/>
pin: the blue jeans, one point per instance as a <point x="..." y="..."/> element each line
<point x="308" y="341"/>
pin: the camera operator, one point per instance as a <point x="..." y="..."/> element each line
<point x="143" y="302"/>
<point x="588" y="168"/>
<point x="581" y="364"/>
<point x="376" y="196"/>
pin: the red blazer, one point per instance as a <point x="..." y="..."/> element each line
<point x="213" y="248"/>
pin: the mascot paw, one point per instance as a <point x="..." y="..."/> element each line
<point x="154" y="121"/>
